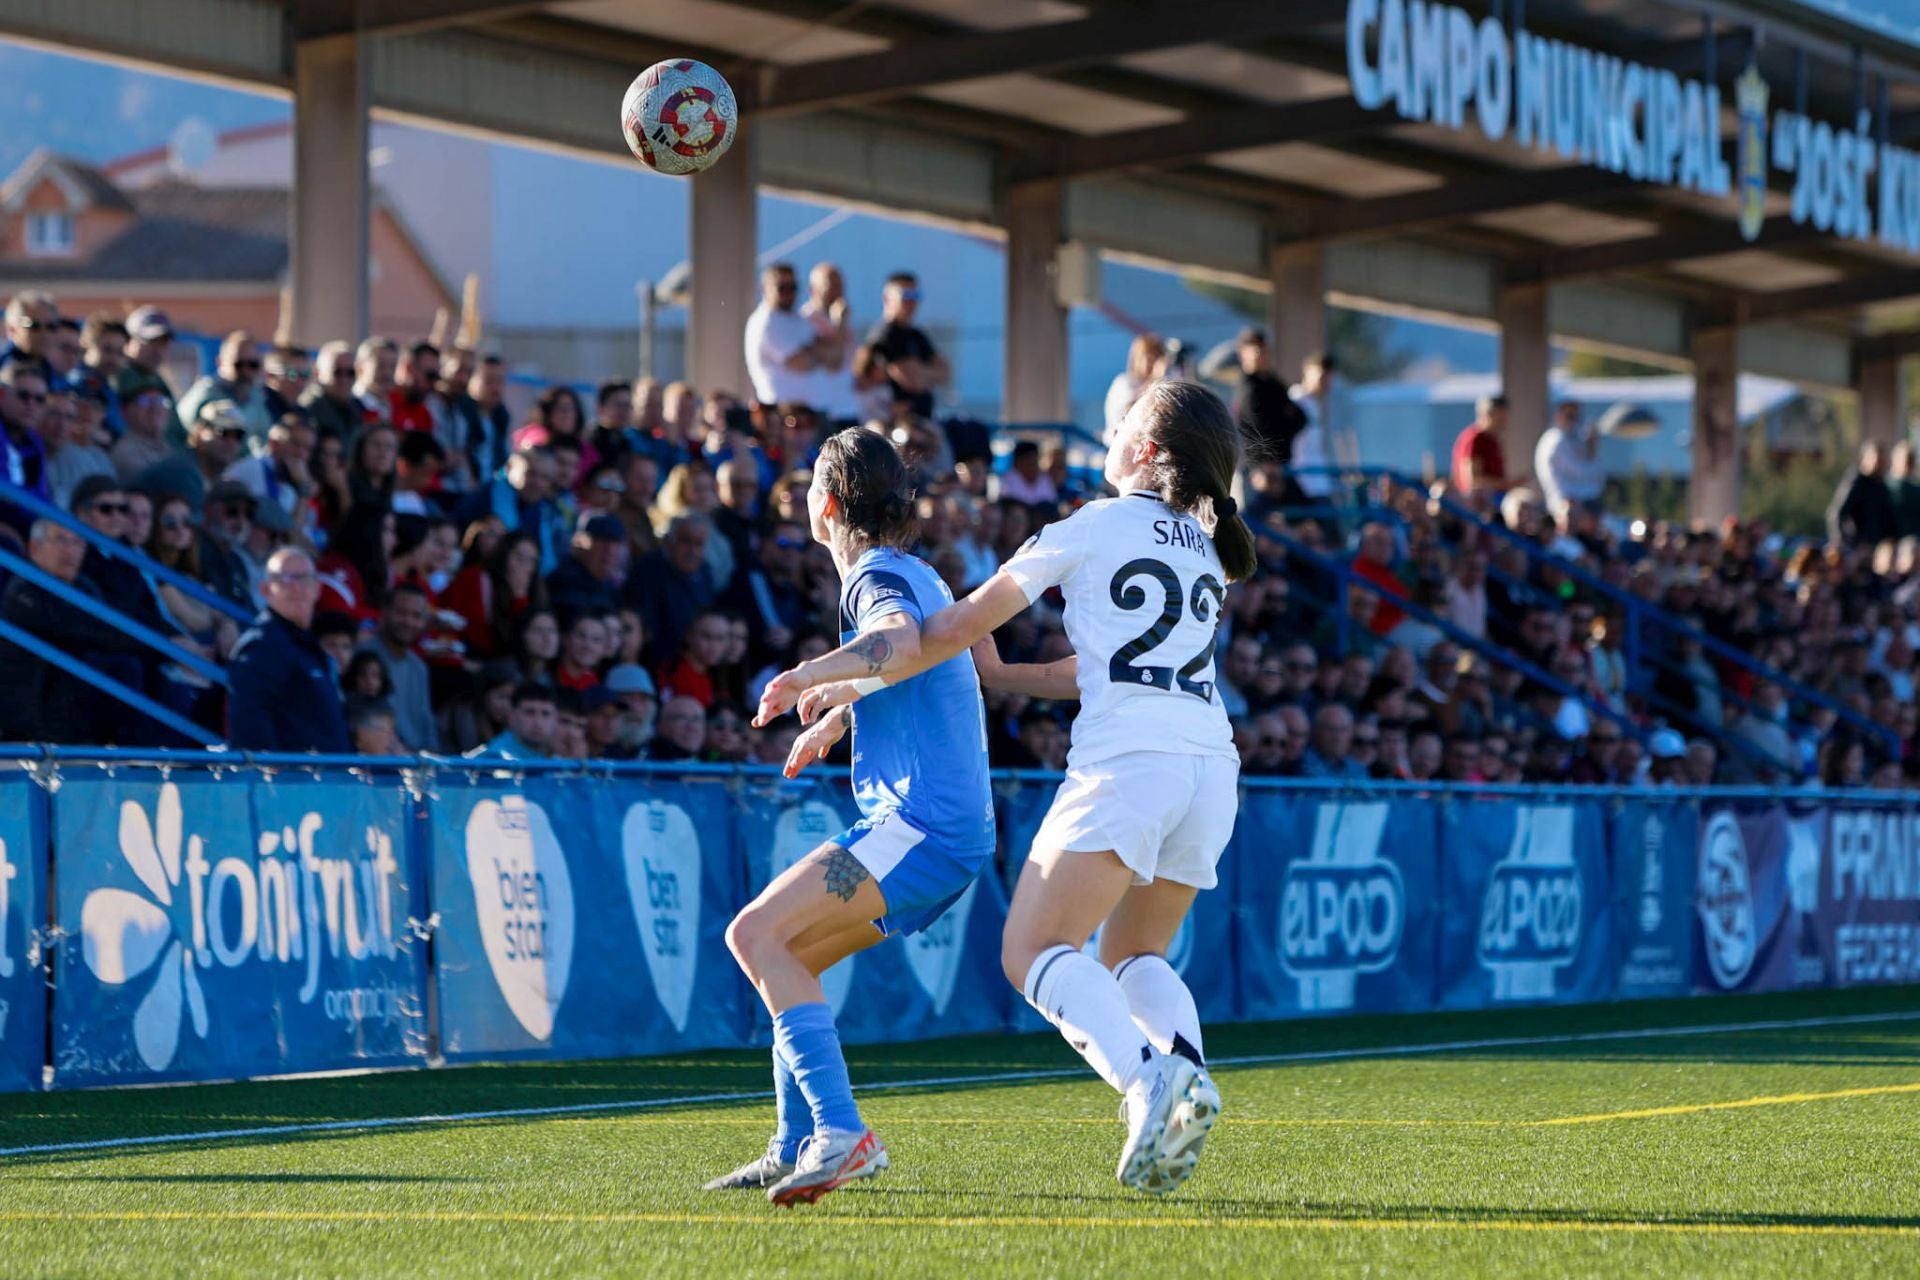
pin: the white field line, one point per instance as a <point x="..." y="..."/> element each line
<point x="933" y="1082"/>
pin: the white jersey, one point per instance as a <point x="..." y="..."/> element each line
<point x="1144" y="589"/>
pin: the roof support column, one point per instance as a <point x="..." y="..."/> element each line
<point x="1297" y="308"/>
<point x="1714" y="489"/>
<point x="1525" y="354"/>
<point x="725" y="242"/>
<point x="1036" y="332"/>
<point x="331" y="229"/>
<point x="1882" y="400"/>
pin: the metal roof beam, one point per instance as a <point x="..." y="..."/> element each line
<point x="1209" y="133"/>
<point x="1674" y="245"/>
<point x="969" y="54"/>
<point x="318" y="19"/>
<point x="1463" y="199"/>
<point x="1854" y="291"/>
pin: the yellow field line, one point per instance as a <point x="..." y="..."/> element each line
<point x="1770" y="1100"/>
<point x="915" y="1122"/>
<point x="992" y="1221"/>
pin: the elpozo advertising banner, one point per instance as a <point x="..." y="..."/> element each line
<point x="23" y="985"/>
<point x="1336" y="904"/>
<point x="1757" y="889"/>
<point x="222" y="927"/>
<point x="1653" y="883"/>
<point x="1526" y="903"/>
<point x="943" y="981"/>
<point x="584" y="917"/>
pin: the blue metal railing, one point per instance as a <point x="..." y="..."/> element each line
<point x="111" y="617"/>
<point x="106" y="684"/>
<point x="13" y="495"/>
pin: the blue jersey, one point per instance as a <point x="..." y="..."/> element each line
<point x="920" y="746"/>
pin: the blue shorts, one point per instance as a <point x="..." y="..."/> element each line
<point x="918" y="875"/>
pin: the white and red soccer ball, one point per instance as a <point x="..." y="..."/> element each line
<point x="679" y="116"/>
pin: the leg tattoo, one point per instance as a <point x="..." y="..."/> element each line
<point x="844" y="875"/>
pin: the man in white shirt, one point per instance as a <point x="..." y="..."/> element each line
<point x="826" y="310"/>
<point x="1567" y="460"/>
<point x="1312" y="447"/>
<point x="784" y="351"/>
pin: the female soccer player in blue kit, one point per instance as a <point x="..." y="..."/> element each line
<point x="1151" y="792"/>
<point x="920" y="779"/>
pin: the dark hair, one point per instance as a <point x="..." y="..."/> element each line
<point x="531" y="691"/>
<point x="543" y="409"/>
<point x="408" y="587"/>
<point x="361" y="710"/>
<point x="358" y="662"/>
<point x="358" y="539"/>
<point x="906" y="278"/>
<point x="1025" y="449"/>
<point x="422" y="347"/>
<point x="1201" y="450"/>
<point x="417" y="447"/>
<point x="608" y="390"/>
<point x="866" y="475"/>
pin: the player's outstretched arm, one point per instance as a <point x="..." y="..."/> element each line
<point x="1048" y="681"/>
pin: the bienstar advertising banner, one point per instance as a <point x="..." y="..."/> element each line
<point x="1868" y="918"/>
<point x="943" y="981"/>
<point x="1653" y="880"/>
<point x="229" y="927"/>
<point x="1526" y="903"/>
<point x="1758" y="889"/>
<point x="584" y="917"/>
<point x="1337" y="904"/>
<point x="23" y="984"/>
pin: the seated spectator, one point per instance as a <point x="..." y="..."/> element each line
<point x="1703" y="764"/>
<point x="682" y="731"/>
<point x="1238" y="674"/>
<point x="419" y="463"/>
<point x="414" y="404"/>
<point x="532" y="719"/>
<point x="673" y="585"/>
<point x="1365" y="751"/>
<point x="370" y="724"/>
<point x="237" y="380"/>
<point x="402" y="622"/>
<point x="705" y="650"/>
<point x="592" y="575"/>
<point x="216" y="439"/>
<point x="1375" y="562"/>
<point x="1461" y="760"/>
<point x="372" y="456"/>
<point x="283" y="695"/>
<point x="71" y="454"/>
<point x="584" y="645"/>
<point x="144" y="443"/>
<point x="771" y="595"/>
<point x="1328" y="747"/>
<point x="492" y="594"/>
<point x="356" y="572"/>
<point x="1024" y="481"/>
<point x="536" y="644"/>
<point x="727" y="740"/>
<point x="23" y="455"/>
<point x="478" y="713"/>
<point x="367" y="677"/>
<point x="1425" y="755"/>
<point x="569" y="725"/>
<point x="329" y="403"/>
<point x="522" y="498"/>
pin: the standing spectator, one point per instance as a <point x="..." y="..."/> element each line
<point x="783" y="348"/>
<point x="902" y="352"/>
<point x="1145" y="357"/>
<point x="284" y="696"/>
<point x="1479" y="460"/>
<point x="414" y="403"/>
<point x="1567" y="460"/>
<point x="23" y="457"/>
<point x="149" y="336"/>
<point x="1266" y="412"/>
<point x="531" y="722"/>
<point x="834" y="397"/>
<point x="1904" y="488"/>
<point x="39" y="701"/>
<point x="402" y="622"/>
<point x="374" y="365"/>
<point x="71" y="454"/>
<point x="329" y="403"/>
<point x="1863" y="514"/>
<point x="235" y="378"/>
<point x="144" y="442"/>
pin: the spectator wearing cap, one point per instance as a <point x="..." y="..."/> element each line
<point x="40" y="701"/>
<point x="280" y="476"/>
<point x="23" y="455"/>
<point x="532" y="719"/>
<point x="104" y="338"/>
<point x="593" y="573"/>
<point x="285" y="689"/>
<point x="1479" y="461"/>
<point x="218" y="439"/>
<point x="71" y="454"/>
<point x="901" y="352"/>
<point x="783" y="348"/>
<point x="402" y="622"/>
<point x="236" y="378"/>
<point x="1667" y="765"/>
<point x="641" y="702"/>
<point x="29" y="322"/>
<point x="267" y="529"/>
<point x="149" y="337"/>
<point x="673" y="584"/>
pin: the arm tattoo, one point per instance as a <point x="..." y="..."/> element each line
<point x="844" y="874"/>
<point x="876" y="649"/>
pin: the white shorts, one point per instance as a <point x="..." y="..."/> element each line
<point x="1166" y="816"/>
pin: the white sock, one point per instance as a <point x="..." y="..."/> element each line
<point x="1161" y="1004"/>
<point x="1075" y="993"/>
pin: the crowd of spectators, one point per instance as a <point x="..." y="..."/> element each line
<point x="428" y="569"/>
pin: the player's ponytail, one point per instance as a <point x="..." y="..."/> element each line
<point x="864" y="472"/>
<point x="1201" y="451"/>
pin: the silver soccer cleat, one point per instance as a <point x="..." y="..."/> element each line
<point x="755" y="1174"/>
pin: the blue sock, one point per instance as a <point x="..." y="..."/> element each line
<point x="794" y="1119"/>
<point x="806" y="1034"/>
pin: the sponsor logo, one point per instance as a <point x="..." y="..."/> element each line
<point x="1342" y="908"/>
<point x="7" y="873"/>
<point x="523" y="900"/>
<point x="200" y="911"/>
<point x="662" y="855"/>
<point x="1750" y="93"/>
<point x="1726" y="901"/>
<point x="1530" y="916"/>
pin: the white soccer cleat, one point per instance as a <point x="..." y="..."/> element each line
<point x="1188" y="1125"/>
<point x="1149" y="1104"/>
<point x="827" y="1162"/>
<point x="755" y="1174"/>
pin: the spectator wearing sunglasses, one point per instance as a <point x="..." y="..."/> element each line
<point x="218" y="438"/>
<point x="23" y="457"/>
<point x="236" y="378"/>
<point x="903" y="351"/>
<point x="30" y="317"/>
<point x="144" y="442"/>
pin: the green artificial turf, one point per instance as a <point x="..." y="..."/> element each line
<point x="1370" y="1163"/>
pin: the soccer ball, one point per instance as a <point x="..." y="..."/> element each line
<point x="679" y="116"/>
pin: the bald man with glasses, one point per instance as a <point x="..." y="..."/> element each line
<point x="285" y="691"/>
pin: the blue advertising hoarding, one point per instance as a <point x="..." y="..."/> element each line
<point x="226" y="927"/>
<point x="23" y="986"/>
<point x="1653" y="880"/>
<point x="1757" y="892"/>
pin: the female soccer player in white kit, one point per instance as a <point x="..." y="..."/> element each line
<point x="1152" y="782"/>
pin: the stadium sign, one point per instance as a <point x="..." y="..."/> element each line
<point x="1433" y="62"/>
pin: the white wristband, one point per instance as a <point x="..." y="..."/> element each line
<point x="868" y="684"/>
